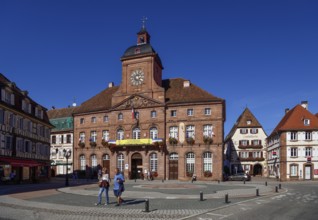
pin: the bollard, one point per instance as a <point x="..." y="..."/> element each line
<point x="146" y="205"/>
<point x="226" y="198"/>
<point x="219" y="181"/>
<point x="244" y="181"/>
<point x="162" y="180"/>
<point x="266" y="183"/>
<point x="201" y="196"/>
<point x="257" y="192"/>
<point x="135" y="180"/>
<point x="279" y="186"/>
<point x="276" y="188"/>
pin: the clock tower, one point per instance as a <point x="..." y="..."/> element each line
<point x="141" y="71"/>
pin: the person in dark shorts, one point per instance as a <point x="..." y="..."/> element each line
<point x="118" y="186"/>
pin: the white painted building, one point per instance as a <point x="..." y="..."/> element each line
<point x="293" y="146"/>
<point x="245" y="146"/>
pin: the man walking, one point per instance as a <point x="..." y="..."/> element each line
<point x="118" y="186"/>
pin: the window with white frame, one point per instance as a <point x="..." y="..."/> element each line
<point x="120" y="134"/>
<point x="293" y="136"/>
<point x="293" y="152"/>
<point x="256" y="142"/>
<point x="105" y="118"/>
<point x="173" y="113"/>
<point x="207" y="161"/>
<point x="254" y="130"/>
<point x="153" y="114"/>
<point x="308" y="136"/>
<point x="173" y="132"/>
<point x="190" y="112"/>
<point x="308" y="152"/>
<point x="190" y="161"/>
<point x="120" y="162"/>
<point x="53" y="139"/>
<point x="82" y="162"/>
<point x="207" y="111"/>
<point x="243" y="130"/>
<point x="105" y="135"/>
<point x="294" y="170"/>
<point x="244" y="154"/>
<point x="306" y="122"/>
<point x="243" y="142"/>
<point x="82" y="137"/>
<point x="256" y="154"/>
<point x="136" y="133"/>
<point x="68" y="139"/>
<point x="153" y="162"/>
<point x="94" y="161"/>
<point x="93" y="136"/>
<point x="207" y="130"/>
<point x="153" y="133"/>
<point x="173" y="156"/>
<point x="120" y="116"/>
<point x="93" y="119"/>
<point x="190" y="131"/>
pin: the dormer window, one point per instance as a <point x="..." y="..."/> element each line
<point x="248" y="122"/>
<point x="137" y="50"/>
<point x="306" y="122"/>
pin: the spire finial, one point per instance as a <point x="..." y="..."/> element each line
<point x="144" y="19"/>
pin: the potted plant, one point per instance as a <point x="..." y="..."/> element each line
<point x="207" y="173"/>
<point x="207" y="139"/>
<point x="190" y="140"/>
<point x="81" y="144"/>
<point x="173" y="140"/>
<point x="154" y="174"/>
<point x="104" y="143"/>
<point x="93" y="144"/>
<point x="189" y="174"/>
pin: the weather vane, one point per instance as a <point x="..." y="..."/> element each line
<point x="144" y="19"/>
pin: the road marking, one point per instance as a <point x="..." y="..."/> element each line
<point x="221" y="216"/>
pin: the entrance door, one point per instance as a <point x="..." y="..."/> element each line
<point x="257" y="170"/>
<point x="106" y="163"/>
<point x="136" y="166"/>
<point x="307" y="172"/>
<point x="173" y="166"/>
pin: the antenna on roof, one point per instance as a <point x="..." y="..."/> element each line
<point x="144" y="19"/>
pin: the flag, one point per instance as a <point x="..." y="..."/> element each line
<point x="132" y="113"/>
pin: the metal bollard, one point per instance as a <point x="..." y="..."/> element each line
<point x="266" y="183"/>
<point x="276" y="189"/>
<point x="244" y="181"/>
<point x="201" y="196"/>
<point x="219" y="181"/>
<point x="135" y="180"/>
<point x="257" y="192"/>
<point x="146" y="205"/>
<point x="226" y="198"/>
<point x="279" y="186"/>
<point x="162" y="180"/>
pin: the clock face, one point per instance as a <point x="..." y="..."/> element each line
<point x="137" y="77"/>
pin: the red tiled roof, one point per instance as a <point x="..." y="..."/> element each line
<point x="294" y="120"/>
<point x="61" y="113"/>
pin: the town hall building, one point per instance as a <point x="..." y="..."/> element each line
<point x="169" y="128"/>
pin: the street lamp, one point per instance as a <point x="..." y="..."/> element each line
<point x="67" y="154"/>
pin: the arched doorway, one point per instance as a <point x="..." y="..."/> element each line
<point x="136" y="166"/>
<point x="106" y="162"/>
<point x="257" y="170"/>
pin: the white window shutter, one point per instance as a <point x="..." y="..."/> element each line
<point x="288" y="136"/>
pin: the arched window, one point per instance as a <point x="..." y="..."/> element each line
<point x="106" y="157"/>
<point x="136" y="133"/>
<point x="105" y="135"/>
<point x="120" y="134"/>
<point x="190" y="161"/>
<point x="120" y="116"/>
<point x="153" y="114"/>
<point x="153" y="162"/>
<point x="82" y="162"/>
<point x="153" y="133"/>
<point x="94" y="161"/>
<point x="190" y="131"/>
<point x="207" y="161"/>
<point x="173" y="132"/>
<point x="120" y="162"/>
<point x="174" y="156"/>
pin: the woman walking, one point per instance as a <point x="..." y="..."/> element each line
<point x="103" y="186"/>
<point x="118" y="186"/>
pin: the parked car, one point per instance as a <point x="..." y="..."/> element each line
<point x="240" y="176"/>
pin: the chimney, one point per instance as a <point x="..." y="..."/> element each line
<point x="286" y="110"/>
<point x="186" y="83"/>
<point x="304" y="104"/>
<point x="111" y="84"/>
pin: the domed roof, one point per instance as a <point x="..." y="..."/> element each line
<point x="138" y="50"/>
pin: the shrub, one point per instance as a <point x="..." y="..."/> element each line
<point x="190" y="141"/>
<point x="207" y="173"/>
<point x="81" y="144"/>
<point x="207" y="140"/>
<point x="173" y="140"/>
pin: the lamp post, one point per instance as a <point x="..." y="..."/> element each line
<point x="67" y="154"/>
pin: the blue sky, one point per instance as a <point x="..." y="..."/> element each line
<point x="261" y="54"/>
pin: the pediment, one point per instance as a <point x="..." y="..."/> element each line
<point x="137" y="101"/>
